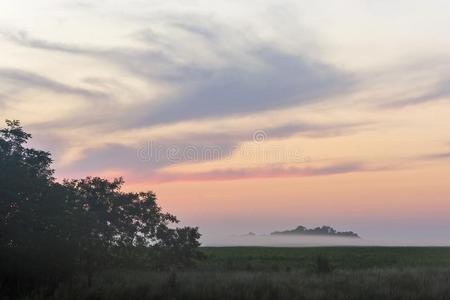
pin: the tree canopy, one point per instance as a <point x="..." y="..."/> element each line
<point x="323" y="230"/>
<point x="50" y="230"/>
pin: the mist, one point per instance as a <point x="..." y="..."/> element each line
<point x="217" y="240"/>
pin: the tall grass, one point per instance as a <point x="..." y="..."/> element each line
<point x="387" y="283"/>
<point x="277" y="273"/>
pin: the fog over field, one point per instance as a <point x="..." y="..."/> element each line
<point x="217" y="240"/>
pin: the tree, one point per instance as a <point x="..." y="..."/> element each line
<point x="32" y="244"/>
<point x="114" y="227"/>
<point x="50" y="230"/>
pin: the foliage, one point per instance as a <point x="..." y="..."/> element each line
<point x="323" y="230"/>
<point x="49" y="231"/>
<point x="117" y="228"/>
<point x="31" y="206"/>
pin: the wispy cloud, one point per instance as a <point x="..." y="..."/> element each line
<point x="285" y="80"/>
<point x="22" y="38"/>
<point x="28" y="80"/>
<point x="138" y="61"/>
<point x="436" y="156"/>
<point x="281" y="80"/>
<point x="162" y="151"/>
<point x="438" y="92"/>
<point x="263" y="172"/>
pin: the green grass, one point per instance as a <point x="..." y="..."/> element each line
<point x="265" y="258"/>
<point x="280" y="273"/>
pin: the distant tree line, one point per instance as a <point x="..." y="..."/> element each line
<point x="323" y="230"/>
<point x="50" y="231"/>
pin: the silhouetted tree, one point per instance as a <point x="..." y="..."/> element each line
<point x="323" y="230"/>
<point x="50" y="230"/>
<point x="113" y="227"/>
<point x="32" y="237"/>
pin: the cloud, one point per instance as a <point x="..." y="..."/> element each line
<point x="316" y="130"/>
<point x="109" y="156"/>
<point x="263" y="172"/>
<point x="436" y="156"/>
<point x="438" y="92"/>
<point x="26" y="80"/>
<point x="140" y="62"/>
<point x="278" y="80"/>
<point x="251" y="78"/>
<point x="195" y="29"/>
<point x="3" y="98"/>
<point x="284" y="81"/>
<point x="80" y="5"/>
<point x="127" y="160"/>
<point x="22" y="38"/>
<point x="285" y="130"/>
<point x="143" y="162"/>
<point x="146" y="160"/>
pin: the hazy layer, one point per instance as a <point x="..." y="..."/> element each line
<point x="308" y="241"/>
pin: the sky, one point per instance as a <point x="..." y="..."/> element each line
<point x="244" y="115"/>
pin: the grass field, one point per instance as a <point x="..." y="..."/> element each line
<point x="281" y="273"/>
<point x="266" y="259"/>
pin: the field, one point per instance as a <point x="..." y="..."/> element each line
<point x="285" y="259"/>
<point x="281" y="273"/>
